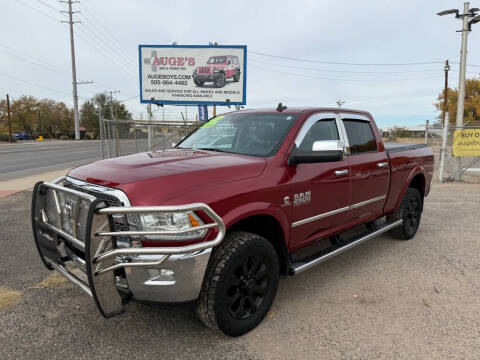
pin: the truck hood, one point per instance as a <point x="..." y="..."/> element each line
<point x="150" y="178"/>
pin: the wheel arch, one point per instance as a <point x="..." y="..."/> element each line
<point x="269" y="227"/>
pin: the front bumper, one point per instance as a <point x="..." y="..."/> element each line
<point x="75" y="228"/>
<point x="205" y="77"/>
<point x="179" y="279"/>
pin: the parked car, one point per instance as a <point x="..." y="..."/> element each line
<point x="22" y="136"/>
<point x="218" y="224"/>
<point x="217" y="70"/>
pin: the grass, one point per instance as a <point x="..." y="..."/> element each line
<point x="9" y="297"/>
<point x="52" y="280"/>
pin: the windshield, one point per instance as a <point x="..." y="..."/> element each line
<point x="248" y="134"/>
<point x="217" y="60"/>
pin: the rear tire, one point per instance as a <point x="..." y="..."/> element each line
<point x="240" y="284"/>
<point x="410" y="212"/>
<point x="236" y="76"/>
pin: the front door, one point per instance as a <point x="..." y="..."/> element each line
<point x="320" y="191"/>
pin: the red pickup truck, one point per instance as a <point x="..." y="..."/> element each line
<point x="247" y="197"/>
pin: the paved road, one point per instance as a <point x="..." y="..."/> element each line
<point x="386" y="299"/>
<point x="33" y="157"/>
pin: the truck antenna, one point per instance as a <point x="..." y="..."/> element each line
<point x="281" y="107"/>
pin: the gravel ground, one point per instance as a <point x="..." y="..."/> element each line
<point x="385" y="299"/>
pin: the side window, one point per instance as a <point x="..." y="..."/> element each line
<point x="321" y="130"/>
<point x="235" y="60"/>
<point x="360" y="136"/>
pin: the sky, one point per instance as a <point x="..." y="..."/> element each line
<point x="35" y="50"/>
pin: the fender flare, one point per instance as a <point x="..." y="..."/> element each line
<point x="415" y="171"/>
<point x="244" y="211"/>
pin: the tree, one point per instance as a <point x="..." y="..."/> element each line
<point x="89" y="117"/>
<point x="101" y="104"/>
<point x="472" y="103"/>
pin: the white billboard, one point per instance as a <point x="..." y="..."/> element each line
<point x="193" y="74"/>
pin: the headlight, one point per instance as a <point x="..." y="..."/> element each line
<point x="172" y="222"/>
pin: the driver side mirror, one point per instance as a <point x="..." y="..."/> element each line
<point x="322" y="151"/>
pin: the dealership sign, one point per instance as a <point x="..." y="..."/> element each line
<point x="466" y="142"/>
<point x="193" y="74"/>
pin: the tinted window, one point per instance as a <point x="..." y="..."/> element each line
<point x="360" y="136"/>
<point x="321" y="130"/>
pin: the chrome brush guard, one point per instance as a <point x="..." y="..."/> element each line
<point x="74" y="228"/>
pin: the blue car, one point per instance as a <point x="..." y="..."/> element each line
<point x="22" y="136"/>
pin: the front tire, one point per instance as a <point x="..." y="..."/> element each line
<point x="219" y="81"/>
<point x="240" y="284"/>
<point x="410" y="212"/>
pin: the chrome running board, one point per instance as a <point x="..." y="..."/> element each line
<point x="298" y="267"/>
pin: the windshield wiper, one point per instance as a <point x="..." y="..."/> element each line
<point x="212" y="149"/>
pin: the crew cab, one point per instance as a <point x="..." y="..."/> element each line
<point x="247" y="197"/>
<point x="217" y="70"/>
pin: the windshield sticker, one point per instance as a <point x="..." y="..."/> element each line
<point x="212" y="122"/>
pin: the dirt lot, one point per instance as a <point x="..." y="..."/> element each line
<point x="385" y="299"/>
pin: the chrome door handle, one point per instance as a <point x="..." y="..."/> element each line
<point x="382" y="164"/>
<point x="341" y="172"/>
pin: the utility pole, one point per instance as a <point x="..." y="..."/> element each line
<point x="9" y="120"/>
<point x="445" y="97"/>
<point x="469" y="17"/>
<point x="340" y="103"/>
<point x="70" y="21"/>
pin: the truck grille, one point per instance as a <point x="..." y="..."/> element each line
<point x="204" y="70"/>
<point x="119" y="223"/>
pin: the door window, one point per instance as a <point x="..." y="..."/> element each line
<point x="360" y="136"/>
<point x="320" y="131"/>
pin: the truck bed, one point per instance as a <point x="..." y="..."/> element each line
<point x="394" y="147"/>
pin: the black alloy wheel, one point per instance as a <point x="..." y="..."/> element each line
<point x="410" y="211"/>
<point x="249" y="285"/>
<point x="240" y="284"/>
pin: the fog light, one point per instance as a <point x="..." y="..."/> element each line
<point x="161" y="277"/>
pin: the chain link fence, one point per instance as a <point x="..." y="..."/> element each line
<point x="122" y="137"/>
<point x="451" y="168"/>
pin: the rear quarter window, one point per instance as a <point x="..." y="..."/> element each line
<point x="360" y="136"/>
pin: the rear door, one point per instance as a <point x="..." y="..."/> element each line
<point x="369" y="167"/>
<point x="320" y="191"/>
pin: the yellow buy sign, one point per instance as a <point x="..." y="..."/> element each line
<point x="466" y="142"/>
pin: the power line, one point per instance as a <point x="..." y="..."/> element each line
<point x="35" y="84"/>
<point x="99" y="49"/>
<point x="48" y="5"/>
<point x="344" y="71"/>
<point x="39" y="11"/>
<point x="106" y="44"/>
<point x="130" y="98"/>
<point x="34" y="62"/>
<point x="335" y="79"/>
<point x="344" y="63"/>
<point x="112" y="35"/>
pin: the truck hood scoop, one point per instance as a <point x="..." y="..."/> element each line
<point x="168" y="173"/>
